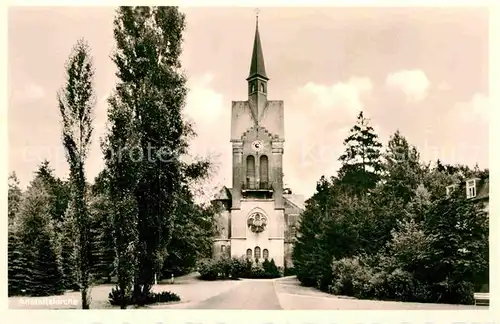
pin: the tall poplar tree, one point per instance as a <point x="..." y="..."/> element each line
<point x="149" y="43"/>
<point x="76" y="104"/>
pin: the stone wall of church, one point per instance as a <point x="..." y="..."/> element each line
<point x="272" y="238"/>
<point x="221" y="248"/>
<point x="241" y="119"/>
<point x="288" y="249"/>
<point x="272" y="118"/>
<point x="223" y="229"/>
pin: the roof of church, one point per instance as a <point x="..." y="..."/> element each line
<point x="297" y="200"/>
<point x="224" y="194"/>
<point x="257" y="67"/>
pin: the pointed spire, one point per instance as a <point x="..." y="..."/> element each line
<point x="257" y="67"/>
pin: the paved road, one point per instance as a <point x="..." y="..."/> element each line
<point x="250" y="295"/>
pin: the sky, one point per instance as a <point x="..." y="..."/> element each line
<point x="423" y="71"/>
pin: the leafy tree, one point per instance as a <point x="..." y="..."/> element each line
<point x="410" y="246"/>
<point x="361" y="162"/>
<point x="459" y="233"/>
<point x="419" y="206"/>
<point x="103" y="254"/>
<point x="122" y="181"/>
<point x="193" y="239"/>
<point x="76" y="104"/>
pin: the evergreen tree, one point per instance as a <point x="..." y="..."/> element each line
<point x="402" y="168"/>
<point x="361" y="162"/>
<point x="38" y="239"/>
<point x="69" y="249"/>
<point x="76" y="103"/>
<point x="311" y="258"/>
<point x="17" y="263"/>
<point x="14" y="196"/>
<point x="58" y="191"/>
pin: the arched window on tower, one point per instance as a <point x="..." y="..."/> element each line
<point x="256" y="252"/>
<point x="250" y="171"/>
<point x="253" y="87"/>
<point x="265" y="254"/>
<point x="264" y="172"/>
<point x="249" y="254"/>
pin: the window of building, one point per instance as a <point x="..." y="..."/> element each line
<point x="293" y="231"/>
<point x="471" y="188"/>
<point x="262" y="87"/>
<point x="253" y="87"/>
<point x="250" y="170"/>
<point x="265" y="254"/>
<point x="223" y="248"/>
<point x="249" y="253"/>
<point x="257" y="252"/>
<point x="264" y="171"/>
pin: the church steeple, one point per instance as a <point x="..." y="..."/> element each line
<point x="257" y="67"/>
<point x="257" y="79"/>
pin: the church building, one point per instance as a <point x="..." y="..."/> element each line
<point x="259" y="216"/>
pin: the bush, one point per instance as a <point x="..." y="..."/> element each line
<point x="257" y="270"/>
<point x="208" y="269"/>
<point x="238" y="268"/>
<point x="141" y="297"/>
<point x="270" y="269"/>
<point x="452" y="292"/>
<point x="289" y="271"/>
<point x="116" y="298"/>
<point x="400" y="285"/>
<point x="235" y="268"/>
<point x="343" y="273"/>
<point x="166" y="296"/>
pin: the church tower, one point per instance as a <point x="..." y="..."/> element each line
<point x="257" y="220"/>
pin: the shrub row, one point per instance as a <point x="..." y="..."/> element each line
<point x="235" y="268"/>
<point x="353" y="277"/>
